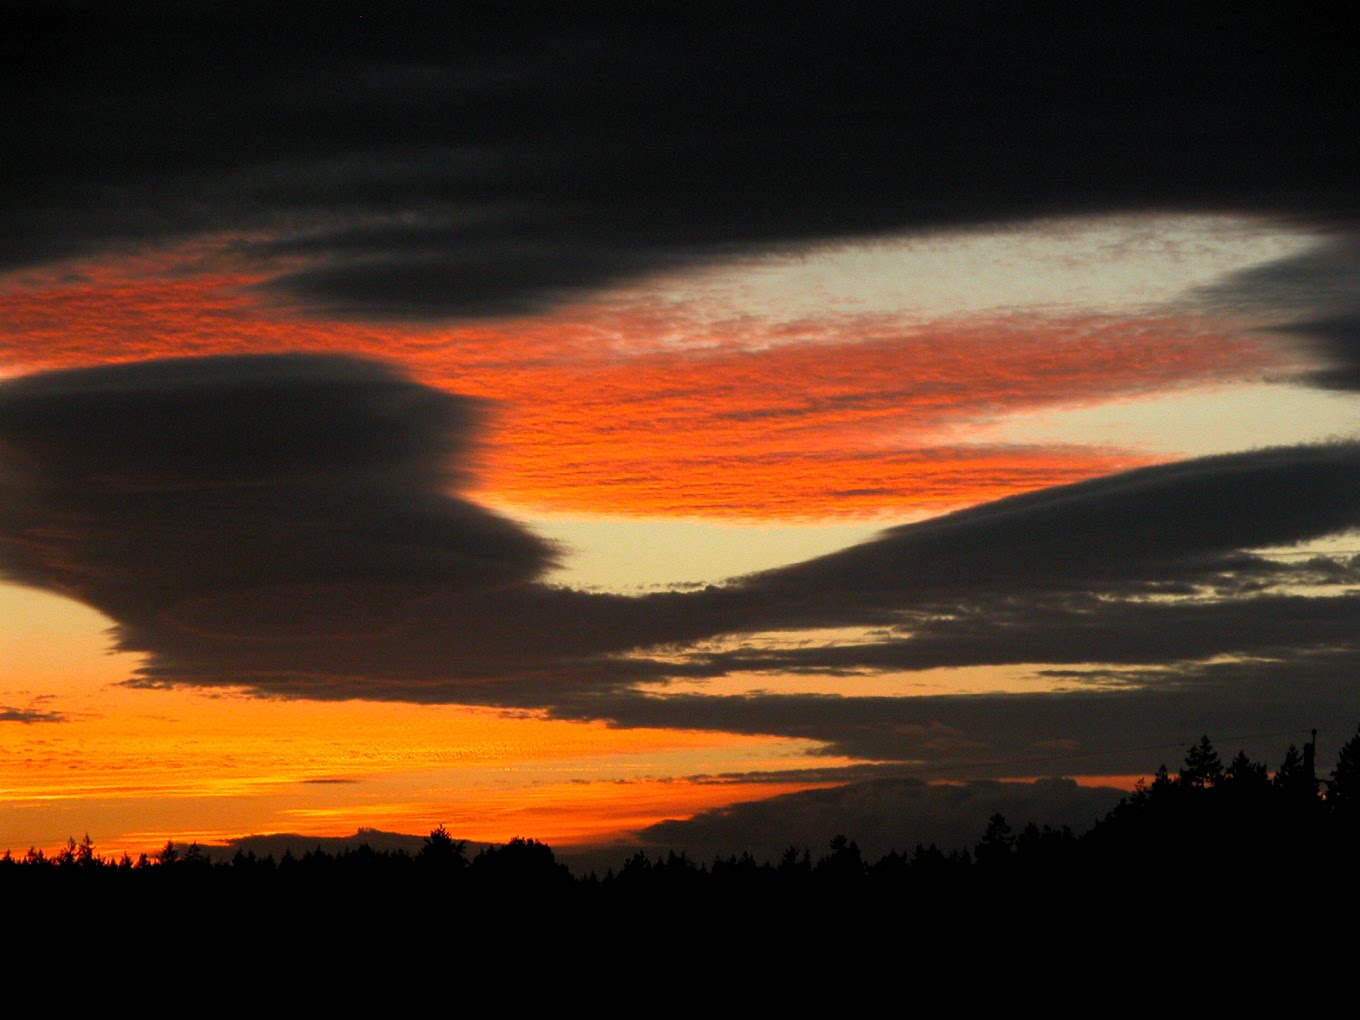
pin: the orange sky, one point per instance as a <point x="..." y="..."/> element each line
<point x="611" y="406"/>
<point x="600" y="408"/>
<point x="673" y="410"/>
<point x="137" y="767"/>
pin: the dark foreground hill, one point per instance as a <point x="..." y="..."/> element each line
<point x="1234" y="846"/>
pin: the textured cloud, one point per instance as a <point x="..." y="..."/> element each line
<point x="642" y="406"/>
<point x="439" y="162"/>
<point x="854" y="416"/>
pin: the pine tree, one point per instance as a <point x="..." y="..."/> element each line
<point x="1202" y="766"/>
<point x="1343" y="792"/>
<point x="1245" y="774"/>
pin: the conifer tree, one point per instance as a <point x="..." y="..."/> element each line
<point x="1343" y="792"/>
<point x="1202" y="765"/>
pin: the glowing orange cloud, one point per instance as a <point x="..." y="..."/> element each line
<point x="618" y="406"/>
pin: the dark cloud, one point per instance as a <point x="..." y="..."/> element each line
<point x="292" y="525"/>
<point x="223" y="500"/>
<point x="415" y="273"/>
<point x="881" y="816"/>
<point x="1337" y="343"/>
<point x="1313" y="297"/>
<point x="1089" y="628"/>
<point x="1146" y="532"/>
<point x="1087" y="729"/>
<point x="9" y="713"/>
<point x="1318" y="282"/>
<point x="439" y="160"/>
<point x="1140" y="580"/>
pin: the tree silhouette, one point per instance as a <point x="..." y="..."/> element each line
<point x="1343" y="792"/>
<point x="1245" y="774"/>
<point x="1221" y="837"/>
<point x="1202" y="766"/>
<point x="844" y="863"/>
<point x="524" y="864"/>
<point x="443" y="851"/>
<point x="1295" y="778"/>
<point x="995" y="848"/>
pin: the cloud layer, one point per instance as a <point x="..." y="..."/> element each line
<point x="208" y="497"/>
<point x="765" y="414"/>
<point x="292" y="525"/>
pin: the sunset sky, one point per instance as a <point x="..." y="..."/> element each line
<point x="594" y="425"/>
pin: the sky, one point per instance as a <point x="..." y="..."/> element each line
<point x="693" y="425"/>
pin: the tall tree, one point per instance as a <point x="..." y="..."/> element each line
<point x="1202" y="765"/>
<point x="1245" y="774"/>
<point x="1343" y="792"/>
<point x="1295" y="779"/>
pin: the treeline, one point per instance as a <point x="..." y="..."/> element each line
<point x="1209" y="830"/>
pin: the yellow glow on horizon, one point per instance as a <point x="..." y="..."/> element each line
<point x="563" y="814"/>
<point x="135" y="767"/>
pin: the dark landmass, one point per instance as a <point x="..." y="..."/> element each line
<point x="277" y="844"/>
<point x="1232" y="839"/>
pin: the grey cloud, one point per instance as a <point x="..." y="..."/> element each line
<point x="462" y="281"/>
<point x="1312" y="298"/>
<point x="1086" y="730"/>
<point x="1337" y="342"/>
<point x="1090" y="628"/>
<point x="1315" y="282"/>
